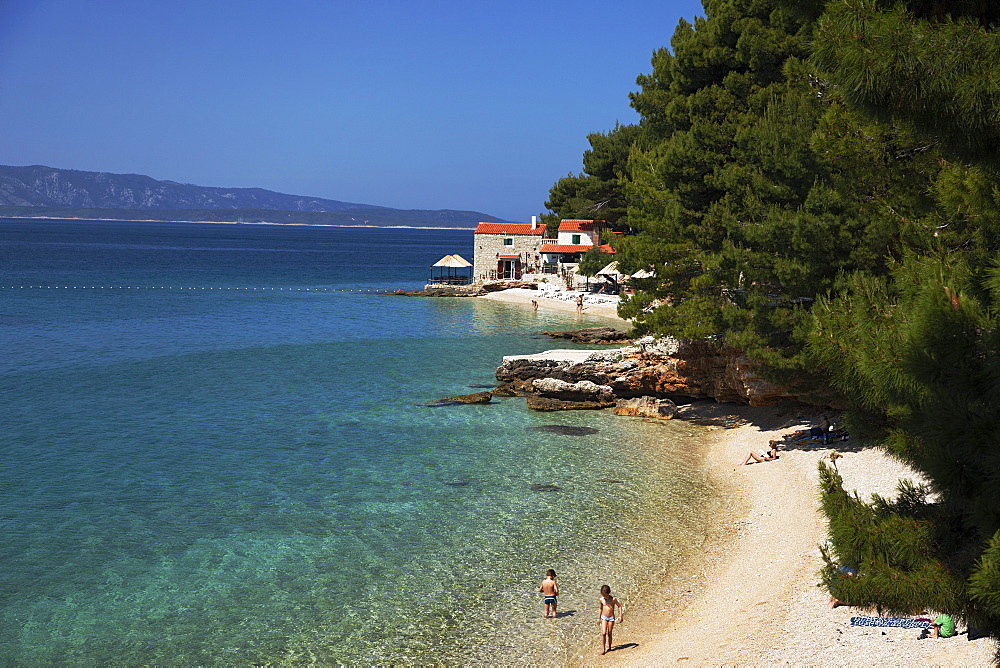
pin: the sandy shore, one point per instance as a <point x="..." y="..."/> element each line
<point x="591" y="306"/>
<point x="753" y="599"/>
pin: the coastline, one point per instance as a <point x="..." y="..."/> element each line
<point x="237" y="222"/>
<point x="753" y="596"/>
<point x="523" y="297"/>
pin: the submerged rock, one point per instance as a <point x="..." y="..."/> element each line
<point x="474" y="398"/>
<point x="461" y="400"/>
<point x="538" y="487"/>
<point x="537" y="403"/>
<point x="590" y="335"/>
<point x="565" y="430"/>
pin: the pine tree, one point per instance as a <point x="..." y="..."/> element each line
<point x="756" y="188"/>
<point x="917" y="347"/>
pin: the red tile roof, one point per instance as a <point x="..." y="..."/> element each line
<point x="509" y="228"/>
<point x="575" y="225"/>
<point x="572" y="248"/>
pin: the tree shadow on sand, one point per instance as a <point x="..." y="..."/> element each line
<point x="785" y="418"/>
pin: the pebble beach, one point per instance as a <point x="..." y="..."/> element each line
<point x="753" y="599"/>
<point x="756" y="599"/>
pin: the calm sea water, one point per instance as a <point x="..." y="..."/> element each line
<point x="216" y="450"/>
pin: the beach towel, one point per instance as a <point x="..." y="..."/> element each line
<point x="898" y="622"/>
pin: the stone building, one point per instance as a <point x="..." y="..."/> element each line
<point x="507" y="250"/>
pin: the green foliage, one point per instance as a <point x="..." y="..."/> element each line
<point x="932" y="65"/>
<point x="738" y="192"/>
<point x="597" y="193"/>
<point x="916" y="350"/>
<point x="897" y="548"/>
<point x="593" y="261"/>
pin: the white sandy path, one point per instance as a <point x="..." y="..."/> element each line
<point x="758" y="603"/>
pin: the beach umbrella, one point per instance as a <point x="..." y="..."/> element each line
<point x="610" y="270"/>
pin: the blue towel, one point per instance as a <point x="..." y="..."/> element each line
<point x="899" y="622"/>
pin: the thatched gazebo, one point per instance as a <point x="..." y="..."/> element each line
<point x="452" y="270"/>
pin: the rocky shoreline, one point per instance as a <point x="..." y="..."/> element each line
<point x="653" y="371"/>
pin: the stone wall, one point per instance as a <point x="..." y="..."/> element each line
<point x="488" y="246"/>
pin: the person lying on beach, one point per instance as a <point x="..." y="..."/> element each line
<point x="764" y="455"/>
<point x="812" y="432"/>
<point x="607" y="619"/>
<point x="846" y="572"/>
<point x="550" y="590"/>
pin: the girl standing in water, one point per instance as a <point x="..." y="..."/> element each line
<point x="607" y="620"/>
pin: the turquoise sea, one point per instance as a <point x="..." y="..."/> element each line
<point x="217" y="450"/>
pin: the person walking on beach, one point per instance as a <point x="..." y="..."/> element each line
<point x="579" y="304"/>
<point x="550" y="590"/>
<point x="607" y="618"/>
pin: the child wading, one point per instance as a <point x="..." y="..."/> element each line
<point x="550" y="590"/>
<point x="607" y="620"/>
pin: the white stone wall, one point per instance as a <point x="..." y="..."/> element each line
<point x="587" y="237"/>
<point x="488" y="246"/>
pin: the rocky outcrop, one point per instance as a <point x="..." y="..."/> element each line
<point x="649" y="407"/>
<point x="583" y="390"/>
<point x="474" y="398"/>
<point x="449" y="291"/>
<point x="663" y="368"/>
<point x="590" y="335"/>
<point x="499" y="286"/>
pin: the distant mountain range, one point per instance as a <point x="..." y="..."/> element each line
<point x="38" y="191"/>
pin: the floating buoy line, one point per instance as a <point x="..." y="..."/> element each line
<point x="166" y="287"/>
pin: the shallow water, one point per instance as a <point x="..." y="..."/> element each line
<point x="199" y="474"/>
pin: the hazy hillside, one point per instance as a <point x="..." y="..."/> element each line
<point x="46" y="191"/>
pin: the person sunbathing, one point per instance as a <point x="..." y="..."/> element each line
<point x="763" y="455"/>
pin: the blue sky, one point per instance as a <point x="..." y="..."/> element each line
<point x="476" y="105"/>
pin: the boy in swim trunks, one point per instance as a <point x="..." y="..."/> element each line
<point x="550" y="590"/>
<point x="607" y="618"/>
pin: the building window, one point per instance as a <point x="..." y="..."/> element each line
<point x="576" y="239"/>
<point x="508" y="242"/>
